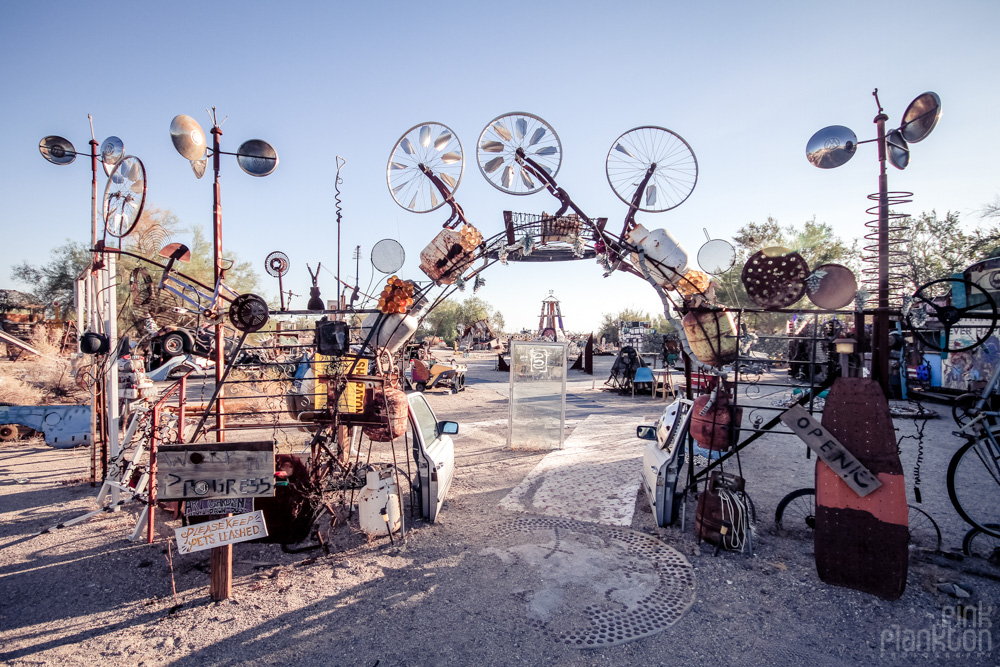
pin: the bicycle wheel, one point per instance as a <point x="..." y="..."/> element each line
<point x="974" y="484"/>
<point x="924" y="531"/>
<point x="796" y="513"/>
<point x="983" y="545"/>
<point x="962" y="407"/>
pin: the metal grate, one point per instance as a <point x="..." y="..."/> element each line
<point x="648" y="585"/>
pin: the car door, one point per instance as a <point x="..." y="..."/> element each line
<point x="434" y="453"/>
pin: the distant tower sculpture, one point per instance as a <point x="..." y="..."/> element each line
<point x="550" y="322"/>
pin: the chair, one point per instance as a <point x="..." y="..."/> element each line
<point x="662" y="382"/>
<point x="642" y="374"/>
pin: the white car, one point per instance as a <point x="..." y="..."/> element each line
<point x="434" y="452"/>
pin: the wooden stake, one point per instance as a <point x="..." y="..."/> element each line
<point x="221" y="586"/>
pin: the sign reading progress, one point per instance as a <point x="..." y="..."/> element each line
<point x="220" y="532"/>
<point x="830" y="451"/>
<point x="215" y="470"/>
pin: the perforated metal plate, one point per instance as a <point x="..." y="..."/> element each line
<point x="603" y="585"/>
<point x="775" y="277"/>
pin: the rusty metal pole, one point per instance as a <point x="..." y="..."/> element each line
<point x="220" y="354"/>
<point x="154" y="444"/>
<point x="880" y="347"/>
<point x="221" y="584"/>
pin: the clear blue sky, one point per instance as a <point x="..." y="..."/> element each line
<point x="746" y="84"/>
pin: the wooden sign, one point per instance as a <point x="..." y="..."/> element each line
<point x="215" y="470"/>
<point x="830" y="451"/>
<point x="220" y="532"/>
<point x="217" y="506"/>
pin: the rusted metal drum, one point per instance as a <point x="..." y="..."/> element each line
<point x="710" y="334"/>
<point x="445" y="257"/>
<point x="394" y="422"/>
<point x="711" y="425"/>
<point x="861" y="542"/>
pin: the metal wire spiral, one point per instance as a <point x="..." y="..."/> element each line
<point x="897" y="256"/>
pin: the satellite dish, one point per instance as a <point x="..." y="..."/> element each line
<point x="498" y="145"/>
<point x="831" y="147"/>
<point x="112" y="151"/>
<point x="921" y="117"/>
<point x="897" y="149"/>
<point x="831" y="286"/>
<point x="57" y="150"/>
<point x="188" y="137"/>
<point x="198" y="167"/>
<point x="673" y="178"/>
<point x="124" y="196"/>
<point x="427" y="147"/>
<point x="257" y="157"/>
<point x="388" y="256"/>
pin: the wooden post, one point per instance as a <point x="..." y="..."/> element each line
<point x="221" y="586"/>
<point x="153" y="445"/>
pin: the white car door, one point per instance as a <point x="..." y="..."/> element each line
<point x="434" y="452"/>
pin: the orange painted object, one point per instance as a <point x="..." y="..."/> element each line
<point x="711" y="335"/>
<point x="862" y="542"/>
<point x="712" y="429"/>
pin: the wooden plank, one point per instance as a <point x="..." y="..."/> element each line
<point x="215" y="470"/>
<point x="830" y="451"/>
<point x="220" y="532"/>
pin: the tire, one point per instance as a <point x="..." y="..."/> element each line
<point x="974" y="485"/>
<point x="173" y="344"/>
<point x="983" y="545"/>
<point x="796" y="513"/>
<point x="924" y="531"/>
<point x="8" y="432"/>
<point x="961" y="407"/>
<point x="421" y="387"/>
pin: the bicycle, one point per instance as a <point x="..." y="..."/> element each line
<point x="974" y="470"/>
<point x="796" y="514"/>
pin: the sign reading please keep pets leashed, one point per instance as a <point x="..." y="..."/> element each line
<point x="220" y="532"/>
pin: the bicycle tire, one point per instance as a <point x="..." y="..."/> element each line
<point x="983" y="545"/>
<point x="804" y="511"/>
<point x="918" y="521"/>
<point x="987" y="498"/>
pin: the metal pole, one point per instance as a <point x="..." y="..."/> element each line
<point x="880" y="348"/>
<point x="220" y="420"/>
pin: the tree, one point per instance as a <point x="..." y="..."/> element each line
<point x="55" y="281"/>
<point x="935" y="248"/>
<point x="444" y="320"/>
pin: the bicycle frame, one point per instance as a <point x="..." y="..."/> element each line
<point x="212" y="299"/>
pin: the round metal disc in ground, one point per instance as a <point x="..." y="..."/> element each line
<point x="716" y="257"/>
<point x="835" y="286"/>
<point x="388" y="256"/>
<point x="921" y="117"/>
<point x="775" y="277"/>
<point x="601" y="585"/>
<point x="257" y="157"/>
<point x="831" y="147"/>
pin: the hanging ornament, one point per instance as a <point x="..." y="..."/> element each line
<point x="470" y="237"/>
<point x="579" y="244"/>
<point x="460" y="283"/>
<point x="859" y="300"/>
<point x="528" y="244"/>
<point x="502" y="255"/>
<point x="814" y="279"/>
<point x="600" y="246"/>
<point x="396" y="296"/>
<point x="479" y="283"/>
